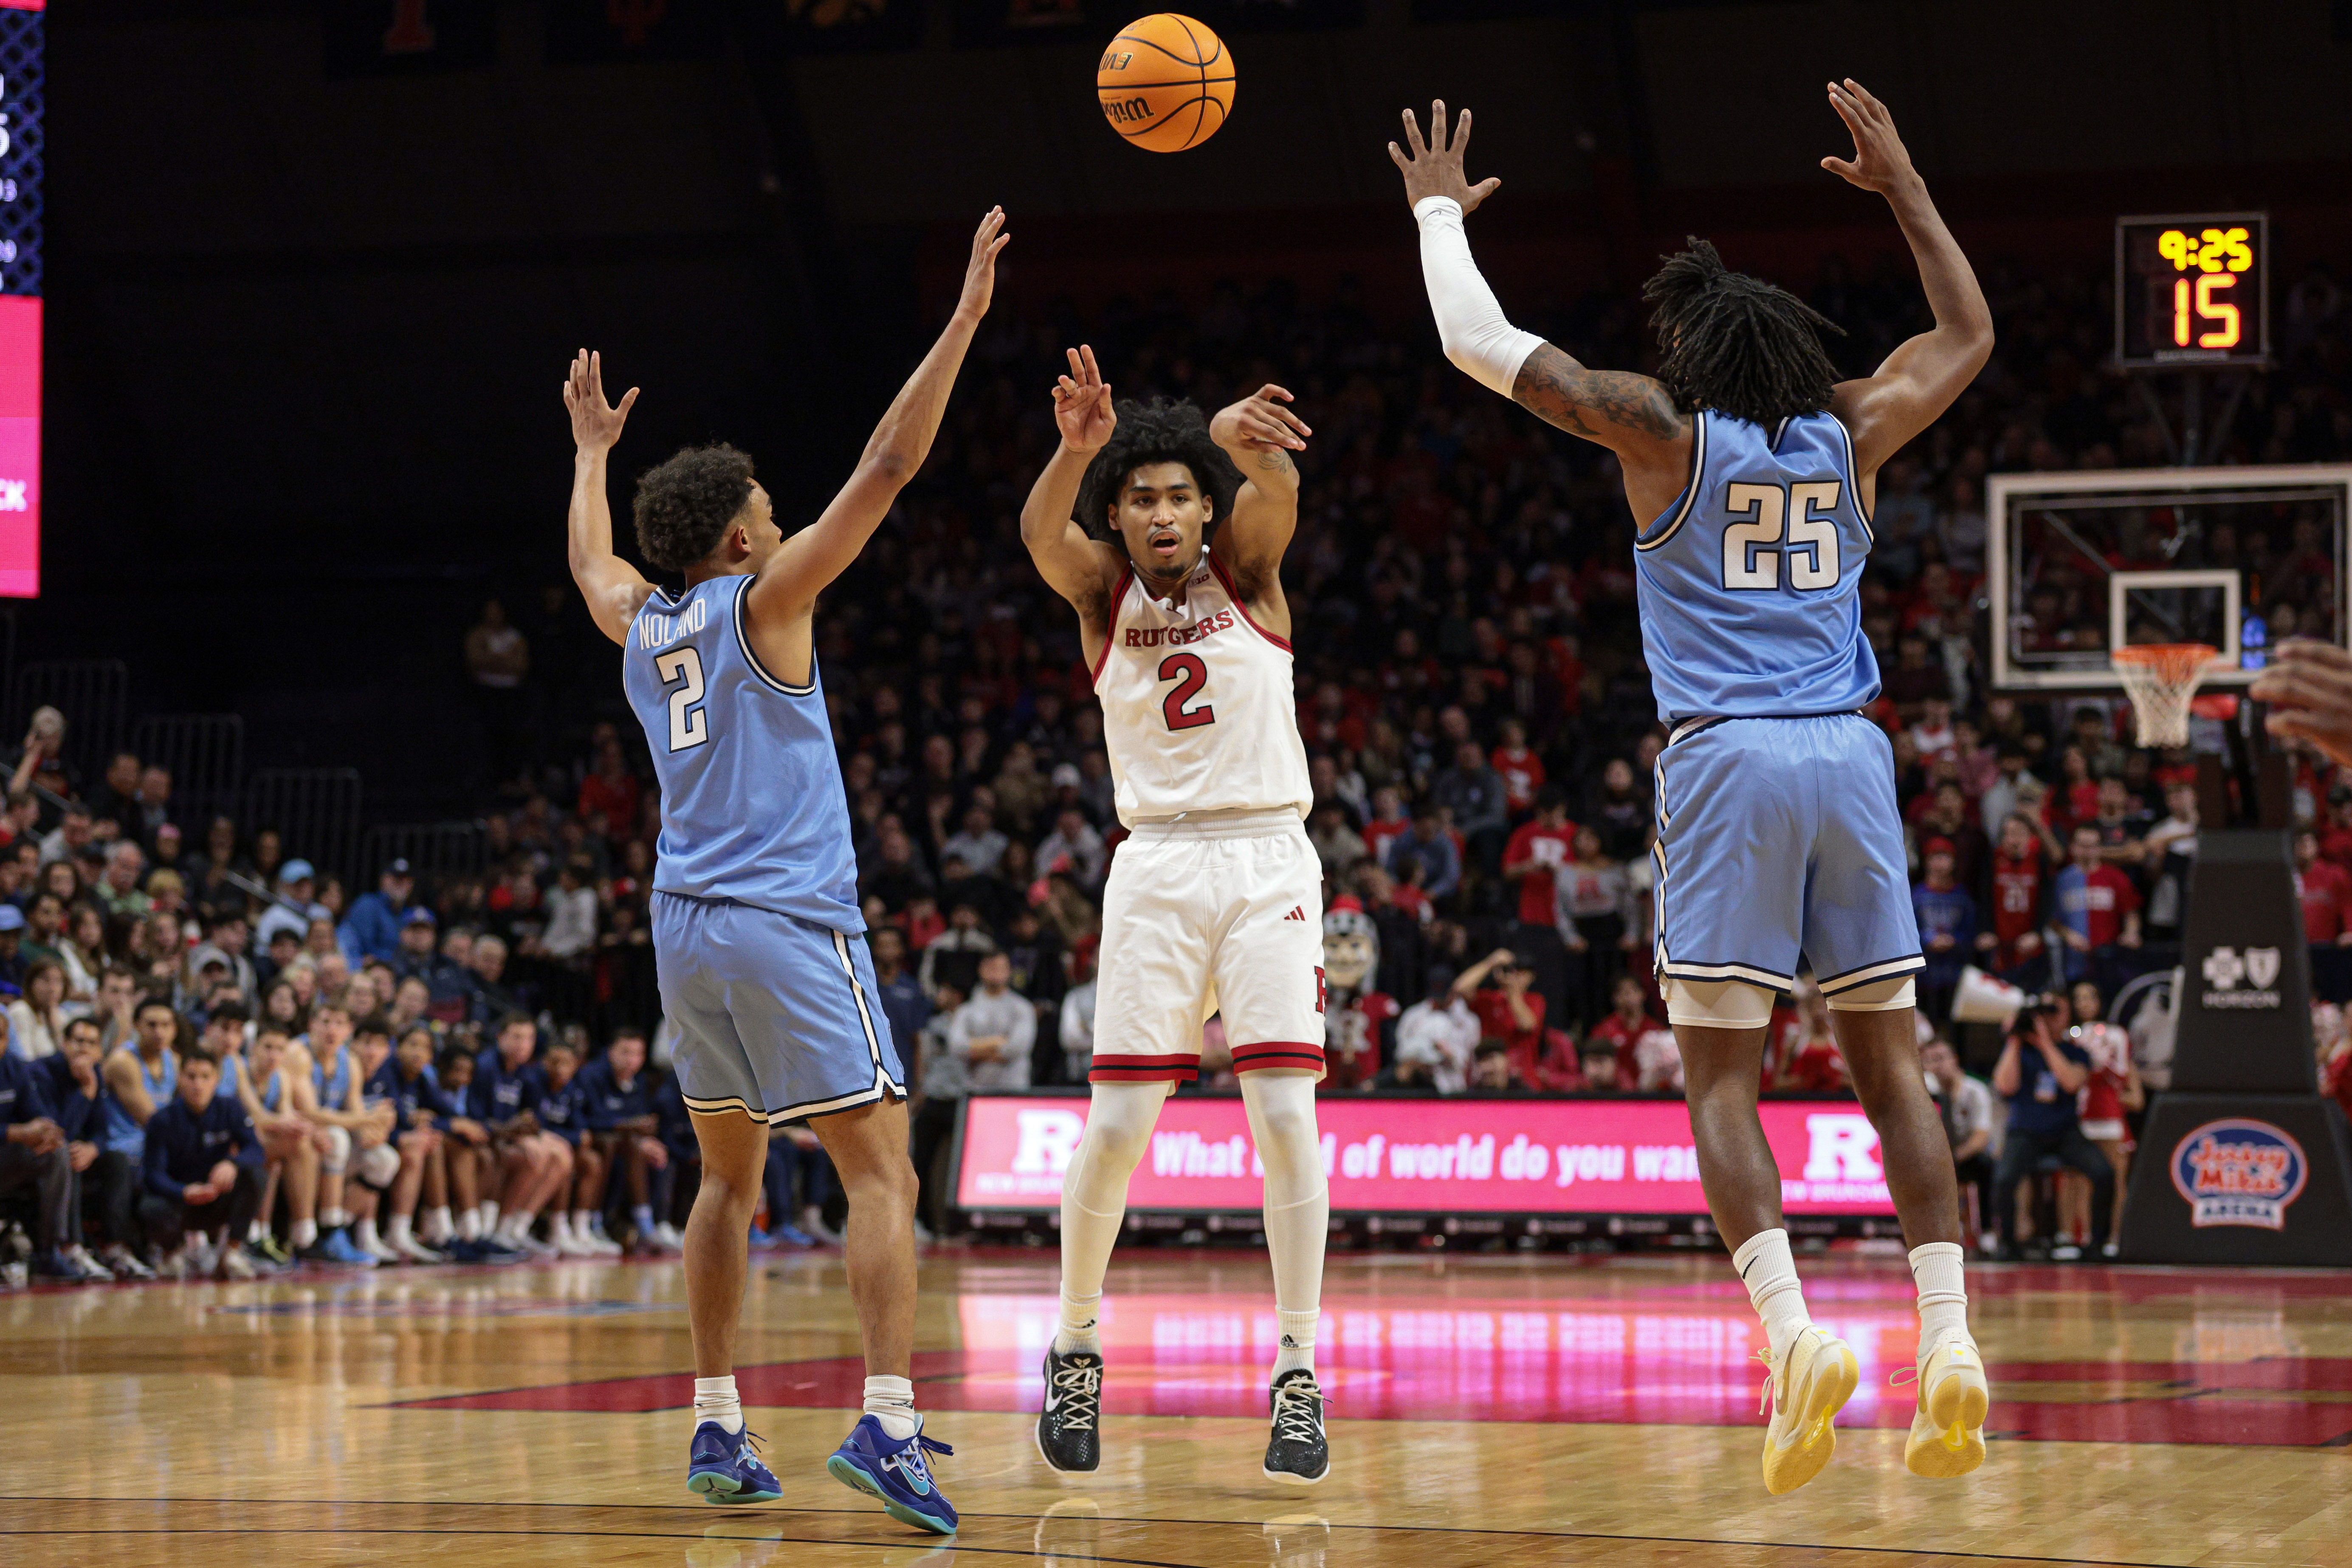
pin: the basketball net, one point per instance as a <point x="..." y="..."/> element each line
<point x="2160" y="679"/>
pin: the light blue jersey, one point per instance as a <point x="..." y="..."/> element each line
<point x="751" y="799"/>
<point x="1751" y="581"/>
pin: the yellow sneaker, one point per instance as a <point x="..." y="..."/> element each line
<point x="1947" y="1429"/>
<point x="1804" y="1392"/>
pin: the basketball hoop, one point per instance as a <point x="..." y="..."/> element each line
<point x="2160" y="679"/>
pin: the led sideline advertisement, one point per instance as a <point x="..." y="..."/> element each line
<point x="22" y="154"/>
<point x="1430" y="1156"/>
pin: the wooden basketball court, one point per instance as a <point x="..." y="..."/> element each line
<point x="1486" y="1410"/>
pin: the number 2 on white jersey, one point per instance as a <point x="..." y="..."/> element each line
<point x="1752" y="551"/>
<point x="690" y="723"/>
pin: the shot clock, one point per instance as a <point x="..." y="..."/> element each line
<point x="2193" y="292"/>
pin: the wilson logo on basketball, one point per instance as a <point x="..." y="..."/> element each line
<point x="1126" y="109"/>
<point x="2239" y="1172"/>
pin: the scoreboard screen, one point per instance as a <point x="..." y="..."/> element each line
<point x="21" y="94"/>
<point x="2193" y="292"/>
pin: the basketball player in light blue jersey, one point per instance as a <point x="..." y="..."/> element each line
<point x="1750" y="470"/>
<point x="757" y="941"/>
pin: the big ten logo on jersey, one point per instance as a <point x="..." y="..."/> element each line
<point x="1046" y="1140"/>
<point x="657" y="630"/>
<point x="2239" y="1172"/>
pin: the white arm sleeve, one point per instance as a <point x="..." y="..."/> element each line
<point x="1470" y="320"/>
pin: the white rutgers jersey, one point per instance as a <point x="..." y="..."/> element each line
<point x="1199" y="710"/>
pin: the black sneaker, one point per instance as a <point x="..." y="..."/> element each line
<point x="1069" y="1435"/>
<point x="1297" y="1453"/>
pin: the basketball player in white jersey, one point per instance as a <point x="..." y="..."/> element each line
<point x="1173" y="562"/>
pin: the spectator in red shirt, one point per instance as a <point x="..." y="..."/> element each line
<point x="612" y="790"/>
<point x="1563" y="1070"/>
<point x="2335" y="839"/>
<point x="1810" y="1058"/>
<point x="1509" y="1011"/>
<point x="2097" y="905"/>
<point x="1628" y="1019"/>
<point x="1522" y="770"/>
<point x="1539" y="848"/>
<point x="2326" y="890"/>
<point x="1389" y="820"/>
<point x="2018" y="895"/>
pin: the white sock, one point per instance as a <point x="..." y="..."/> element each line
<point x="1094" y="1195"/>
<point x="580" y="1225"/>
<point x="1281" y="1111"/>
<point x="488" y="1210"/>
<point x="513" y="1226"/>
<point x="304" y="1233"/>
<point x="469" y="1226"/>
<point x="891" y="1401"/>
<point x="715" y="1400"/>
<point x="1080" y="1328"/>
<point x="365" y="1230"/>
<point x="1943" y="1294"/>
<point x="435" y="1228"/>
<point x="398" y="1233"/>
<point x="333" y="1220"/>
<point x="255" y="1231"/>
<point x="1770" y="1272"/>
<point x="1297" y="1342"/>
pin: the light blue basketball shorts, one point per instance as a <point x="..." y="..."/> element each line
<point x="778" y="1016"/>
<point x="1779" y="844"/>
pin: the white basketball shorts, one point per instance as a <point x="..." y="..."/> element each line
<point x="1217" y="916"/>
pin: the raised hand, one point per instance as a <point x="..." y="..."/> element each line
<point x="595" y="423"/>
<point x="2309" y="689"/>
<point x="1260" y="423"/>
<point x="979" y="272"/>
<point x="1082" y="406"/>
<point x="1880" y="162"/>
<point x="1436" y="169"/>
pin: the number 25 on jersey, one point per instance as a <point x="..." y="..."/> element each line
<point x="1781" y="525"/>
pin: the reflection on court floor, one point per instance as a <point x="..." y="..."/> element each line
<point x="1671" y="1354"/>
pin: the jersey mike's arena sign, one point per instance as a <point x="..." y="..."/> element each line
<point x="1431" y="1156"/>
<point x="2239" y="1172"/>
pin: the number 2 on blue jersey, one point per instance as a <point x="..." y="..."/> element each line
<point x="689" y="726"/>
<point x="1752" y="551"/>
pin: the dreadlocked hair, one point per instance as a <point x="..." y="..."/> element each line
<point x="1159" y="431"/>
<point x="1736" y="343"/>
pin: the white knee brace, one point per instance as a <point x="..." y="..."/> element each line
<point x="338" y="1152"/>
<point x="1717" y="1004"/>
<point x="1878" y="996"/>
<point x="379" y="1167"/>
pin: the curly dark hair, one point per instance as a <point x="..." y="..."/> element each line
<point x="683" y="506"/>
<point x="1159" y="431"/>
<point x="1736" y="343"/>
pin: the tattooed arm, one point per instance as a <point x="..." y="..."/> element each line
<point x="1630" y="415"/>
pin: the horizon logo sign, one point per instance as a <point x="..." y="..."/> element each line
<point x="2241" y="981"/>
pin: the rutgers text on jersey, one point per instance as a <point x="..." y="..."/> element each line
<point x="1198" y="706"/>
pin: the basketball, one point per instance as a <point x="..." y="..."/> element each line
<point x="1166" y="83"/>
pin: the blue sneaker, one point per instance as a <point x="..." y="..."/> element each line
<point x="873" y="1461"/>
<point x="793" y="1236"/>
<point x="334" y="1248"/>
<point x="724" y="1467"/>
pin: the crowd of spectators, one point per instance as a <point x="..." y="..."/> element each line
<point x="1477" y="714"/>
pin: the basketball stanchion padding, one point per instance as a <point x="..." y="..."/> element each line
<point x="2241" y="1160"/>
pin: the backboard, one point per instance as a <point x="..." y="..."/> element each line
<point x="2080" y="564"/>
